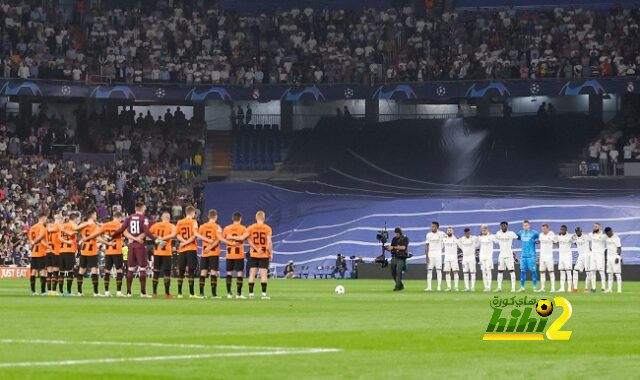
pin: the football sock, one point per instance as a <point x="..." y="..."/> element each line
<point x="143" y="282"/>
<point x="575" y="279"/>
<point x="119" y="281"/>
<point x="610" y="285"/>
<point x="60" y="281"/>
<point x="534" y="278"/>
<point x="239" y="285"/>
<point x="264" y="287"/>
<point x="32" y="282"/>
<point x="439" y="277"/>
<point x="190" y="280"/>
<point x="552" y="278"/>
<point x="563" y="277"/>
<point x="456" y="279"/>
<point x="80" y="281"/>
<point x="191" y="285"/>
<point x="543" y="280"/>
<point x="214" y="285"/>
<point x="228" y="284"/>
<point x="448" y="279"/>
<point x="473" y="281"/>
<point x="251" y="284"/>
<point x="167" y="284"/>
<point x="523" y="278"/>
<point x="499" y="279"/>
<point x="569" y="280"/>
<point x="619" y="280"/>
<point x="429" y="277"/>
<point x="48" y="280"/>
<point x="602" y="277"/>
<point x="465" y="276"/>
<point x="69" y="281"/>
<point x="129" y="281"/>
<point x="512" y="274"/>
<point x="593" y="279"/>
<point x="43" y="284"/>
<point x="201" y="283"/>
<point x="154" y="282"/>
<point x="180" y="281"/>
<point x="94" y="281"/>
<point x="107" y="278"/>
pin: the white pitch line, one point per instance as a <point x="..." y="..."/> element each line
<point x="150" y="344"/>
<point x="167" y="357"/>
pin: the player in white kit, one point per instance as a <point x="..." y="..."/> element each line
<point x="547" y="239"/>
<point x="434" y="254"/>
<point x="582" y="263"/>
<point x="505" y="239"/>
<point x="565" y="264"/>
<point x="614" y="261"/>
<point x="468" y="244"/>
<point x="451" y="259"/>
<point x="486" y="241"/>
<point x="596" y="258"/>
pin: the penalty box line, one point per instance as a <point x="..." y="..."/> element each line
<point x="267" y="351"/>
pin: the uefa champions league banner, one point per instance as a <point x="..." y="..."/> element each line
<point x="180" y="93"/>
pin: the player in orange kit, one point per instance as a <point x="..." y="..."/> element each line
<point x="165" y="231"/>
<point x="36" y="235"/>
<point x="259" y="237"/>
<point x="235" y="254"/>
<point x="113" y="254"/>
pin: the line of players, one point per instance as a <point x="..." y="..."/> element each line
<point x="591" y="249"/>
<point x="55" y="247"/>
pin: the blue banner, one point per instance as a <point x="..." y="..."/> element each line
<point x="179" y="93"/>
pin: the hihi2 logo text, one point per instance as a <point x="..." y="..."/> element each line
<point x="527" y="319"/>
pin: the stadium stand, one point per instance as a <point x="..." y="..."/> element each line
<point x="194" y="44"/>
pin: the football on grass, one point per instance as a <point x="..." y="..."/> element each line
<point x="339" y="289"/>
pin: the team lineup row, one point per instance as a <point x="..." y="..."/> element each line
<point x="591" y="250"/>
<point x="56" y="243"/>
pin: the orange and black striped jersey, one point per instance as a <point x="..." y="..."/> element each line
<point x="236" y="250"/>
<point x="55" y="239"/>
<point x="50" y="236"/>
<point x="187" y="228"/>
<point x="162" y="229"/>
<point x="108" y="229"/>
<point x="260" y="236"/>
<point x="89" y="247"/>
<point x="39" y="249"/>
<point x="211" y="231"/>
<point x="69" y="232"/>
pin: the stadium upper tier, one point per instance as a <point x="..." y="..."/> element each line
<point x="196" y="45"/>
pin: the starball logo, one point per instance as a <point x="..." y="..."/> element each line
<point x="527" y="318"/>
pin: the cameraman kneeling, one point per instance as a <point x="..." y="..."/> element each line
<point x="399" y="255"/>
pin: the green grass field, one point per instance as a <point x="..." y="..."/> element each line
<point x="376" y="334"/>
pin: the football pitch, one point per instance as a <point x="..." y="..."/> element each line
<point x="307" y="331"/>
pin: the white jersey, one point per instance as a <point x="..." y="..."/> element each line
<point x="613" y="243"/>
<point x="505" y="242"/>
<point x="486" y="246"/>
<point x="564" y="245"/>
<point x="582" y="243"/>
<point x="450" y="247"/>
<point x="598" y="242"/>
<point x="435" y="242"/>
<point x="468" y="246"/>
<point x="546" y="244"/>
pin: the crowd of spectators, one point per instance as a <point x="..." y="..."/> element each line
<point x="203" y="44"/>
<point x="170" y="139"/>
<point x="30" y="184"/>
